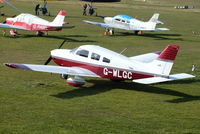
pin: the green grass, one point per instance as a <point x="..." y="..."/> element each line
<point x="37" y="103"/>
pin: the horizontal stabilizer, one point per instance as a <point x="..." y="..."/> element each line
<point x="153" y="80"/>
<point x="159" y="22"/>
<point x="161" y="29"/>
<point x="68" y="27"/>
<point x="63" y="27"/>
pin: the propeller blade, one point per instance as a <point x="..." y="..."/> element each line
<point x="62" y="43"/>
<point x="48" y="60"/>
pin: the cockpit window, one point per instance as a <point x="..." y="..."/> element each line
<point x="83" y="53"/>
<point x="106" y="60"/>
<point x="128" y="21"/>
<point x="95" y="56"/>
<point x="123" y="20"/>
<point x="118" y="19"/>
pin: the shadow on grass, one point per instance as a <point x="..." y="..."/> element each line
<point x="62" y="37"/>
<point x="155" y="35"/>
<point x="101" y="86"/>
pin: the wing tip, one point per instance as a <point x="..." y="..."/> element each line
<point x="10" y="65"/>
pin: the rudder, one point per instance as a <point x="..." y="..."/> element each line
<point x="59" y="20"/>
<point x="163" y="64"/>
<point x="154" y="18"/>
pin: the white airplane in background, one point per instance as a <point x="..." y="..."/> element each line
<point x="129" y="23"/>
<point x="96" y="61"/>
<point x="30" y="22"/>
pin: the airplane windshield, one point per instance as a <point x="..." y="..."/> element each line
<point x="74" y="50"/>
<point x="83" y="53"/>
<point x="126" y="18"/>
<point x="117" y="19"/>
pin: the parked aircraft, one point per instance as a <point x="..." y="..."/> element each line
<point x="30" y="22"/>
<point x="96" y="61"/>
<point x="129" y="23"/>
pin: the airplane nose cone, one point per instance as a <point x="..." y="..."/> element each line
<point x="108" y="20"/>
<point x="60" y="52"/>
<point x="55" y="52"/>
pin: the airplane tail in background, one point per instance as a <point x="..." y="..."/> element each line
<point x="154" y="18"/>
<point x="163" y="64"/>
<point x="151" y="24"/>
<point x="59" y="20"/>
<point x="154" y="21"/>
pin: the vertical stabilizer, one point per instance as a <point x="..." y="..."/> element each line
<point x="163" y="64"/>
<point x="169" y="53"/>
<point x="59" y="20"/>
<point x="151" y="24"/>
<point x="154" y="18"/>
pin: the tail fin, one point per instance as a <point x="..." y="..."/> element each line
<point x="169" y="53"/>
<point x="151" y="24"/>
<point x="59" y="20"/>
<point x="163" y="64"/>
<point x="154" y="18"/>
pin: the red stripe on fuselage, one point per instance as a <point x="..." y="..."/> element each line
<point x="105" y="72"/>
<point x="33" y="27"/>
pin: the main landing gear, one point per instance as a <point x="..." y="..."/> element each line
<point x="76" y="81"/>
<point x="139" y="32"/>
<point x="40" y="33"/>
<point x="13" y="32"/>
<point x="109" y="32"/>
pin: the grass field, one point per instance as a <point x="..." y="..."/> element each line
<point x="37" y="103"/>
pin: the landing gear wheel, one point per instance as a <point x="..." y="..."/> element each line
<point x="46" y="33"/>
<point x="111" y="32"/>
<point x="39" y="33"/>
<point x="136" y="32"/>
<point x="106" y="31"/>
<point x="64" y="76"/>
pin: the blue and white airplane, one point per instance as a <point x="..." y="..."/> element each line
<point x="129" y="23"/>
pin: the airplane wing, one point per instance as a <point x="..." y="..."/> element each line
<point x="156" y="29"/>
<point x="11" y="26"/>
<point x="159" y="22"/>
<point x="153" y="80"/>
<point x="146" y="58"/>
<point x="102" y="24"/>
<point x="68" y="27"/>
<point x="54" y="69"/>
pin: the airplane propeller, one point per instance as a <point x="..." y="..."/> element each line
<point x="50" y="58"/>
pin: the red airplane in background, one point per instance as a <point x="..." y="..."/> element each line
<point x="30" y="22"/>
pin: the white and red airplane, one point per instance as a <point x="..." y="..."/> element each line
<point x="96" y="61"/>
<point x="30" y="22"/>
